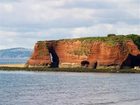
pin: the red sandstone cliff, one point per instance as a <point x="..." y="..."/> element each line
<point x="40" y="55"/>
<point x="70" y="53"/>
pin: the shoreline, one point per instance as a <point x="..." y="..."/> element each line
<point x="12" y="65"/>
<point x="21" y="67"/>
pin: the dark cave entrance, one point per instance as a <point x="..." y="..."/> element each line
<point x="94" y="65"/>
<point x="85" y="64"/>
<point x="54" y="58"/>
<point x="131" y="61"/>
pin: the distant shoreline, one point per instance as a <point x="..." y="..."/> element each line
<point x="21" y="67"/>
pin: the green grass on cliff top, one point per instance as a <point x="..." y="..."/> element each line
<point x="111" y="39"/>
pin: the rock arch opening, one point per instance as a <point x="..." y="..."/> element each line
<point x="131" y="61"/>
<point x="54" y="58"/>
<point x="85" y="64"/>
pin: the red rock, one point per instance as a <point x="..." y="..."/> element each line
<point x="70" y="53"/>
<point x="40" y="55"/>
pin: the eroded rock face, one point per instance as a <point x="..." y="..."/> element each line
<point x="40" y="56"/>
<point x="70" y="53"/>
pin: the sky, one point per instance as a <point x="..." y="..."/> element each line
<point x="24" y="22"/>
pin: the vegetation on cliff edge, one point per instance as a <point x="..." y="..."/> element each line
<point x="110" y="39"/>
<point x="135" y="38"/>
<point x="42" y="47"/>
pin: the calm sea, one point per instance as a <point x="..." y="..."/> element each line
<point x="53" y="88"/>
<point x="13" y="61"/>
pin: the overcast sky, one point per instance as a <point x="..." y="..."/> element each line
<point x="23" y="22"/>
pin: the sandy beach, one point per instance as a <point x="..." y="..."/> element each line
<point x="12" y="65"/>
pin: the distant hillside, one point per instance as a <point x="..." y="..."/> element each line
<point x="16" y="53"/>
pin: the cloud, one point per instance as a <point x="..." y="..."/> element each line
<point x="104" y="29"/>
<point x="90" y="4"/>
<point x="33" y="20"/>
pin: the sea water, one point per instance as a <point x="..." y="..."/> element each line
<point x="13" y="61"/>
<point x="61" y="88"/>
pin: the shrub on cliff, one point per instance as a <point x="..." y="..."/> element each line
<point x="135" y="38"/>
<point x="111" y="35"/>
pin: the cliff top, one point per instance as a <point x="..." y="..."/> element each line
<point x="111" y="39"/>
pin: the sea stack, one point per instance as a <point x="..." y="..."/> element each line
<point x="118" y="51"/>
